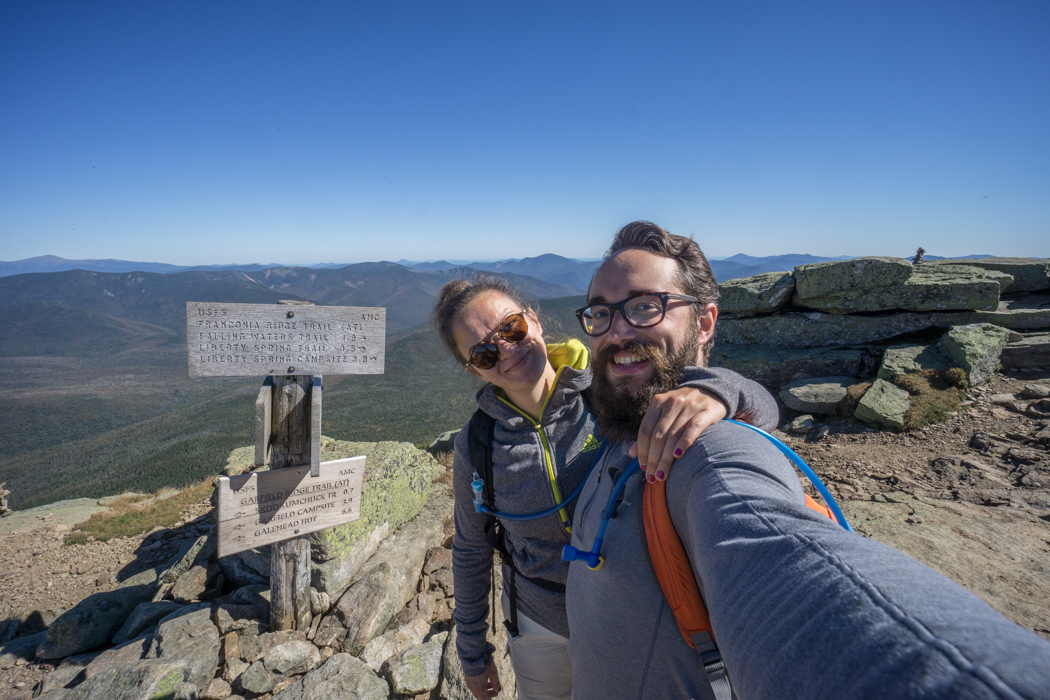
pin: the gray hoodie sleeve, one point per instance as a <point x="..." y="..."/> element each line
<point x="802" y="608"/>
<point x="747" y="400"/>
<point x="471" y="566"/>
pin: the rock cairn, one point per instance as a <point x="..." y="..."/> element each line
<point x="197" y="627"/>
<point x="813" y="333"/>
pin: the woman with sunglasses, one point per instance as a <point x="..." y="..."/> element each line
<point x="545" y="440"/>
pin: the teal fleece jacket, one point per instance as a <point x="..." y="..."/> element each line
<point x="522" y="485"/>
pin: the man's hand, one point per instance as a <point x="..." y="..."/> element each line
<point x="670" y="426"/>
<point x="486" y="685"/>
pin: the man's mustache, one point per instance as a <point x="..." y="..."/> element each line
<point x="645" y="351"/>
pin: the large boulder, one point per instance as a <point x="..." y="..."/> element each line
<point x="819" y="395"/>
<point x="189" y="637"/>
<point x="341" y="676"/>
<point x="884" y="284"/>
<point x="1029" y="274"/>
<point x="405" y="551"/>
<point x="815" y="329"/>
<point x="759" y="294"/>
<point x="976" y="348"/>
<point x="144" y="616"/>
<point x="775" y="366"/>
<point x="368" y="606"/>
<point x="93" y="621"/>
<point x="1032" y="350"/>
<point x="912" y="357"/>
<point x="883" y="404"/>
<point x="132" y="681"/>
<point x="418" y="668"/>
<point x="397" y="484"/>
<point x="19" y="649"/>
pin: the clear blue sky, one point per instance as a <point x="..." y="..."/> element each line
<point x="304" y="132"/>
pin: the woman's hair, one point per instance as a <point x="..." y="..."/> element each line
<point x="457" y="294"/>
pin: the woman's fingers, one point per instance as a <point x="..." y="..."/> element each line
<point x="672" y="423"/>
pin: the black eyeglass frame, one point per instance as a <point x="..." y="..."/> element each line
<point x="664" y="297"/>
<point x="491" y="346"/>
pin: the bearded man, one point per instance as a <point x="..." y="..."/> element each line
<point x="800" y="608"/>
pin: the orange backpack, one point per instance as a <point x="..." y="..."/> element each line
<point x="678" y="583"/>
<point x="672" y="564"/>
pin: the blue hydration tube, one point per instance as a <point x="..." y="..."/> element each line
<point x="479" y="502"/>
<point x="594" y="558"/>
<point x="810" y="474"/>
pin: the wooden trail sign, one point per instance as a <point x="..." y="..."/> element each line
<point x="238" y="340"/>
<point x="265" y="507"/>
<point x="291" y="344"/>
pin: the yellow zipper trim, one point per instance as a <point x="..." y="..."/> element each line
<point x="546" y="447"/>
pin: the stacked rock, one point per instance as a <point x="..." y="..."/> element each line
<point x="826" y="327"/>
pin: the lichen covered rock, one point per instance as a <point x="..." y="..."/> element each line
<point x="758" y="294"/>
<point x="976" y="348"/>
<point x="912" y="357"/>
<point x="883" y="404"/>
<point x="884" y="284"/>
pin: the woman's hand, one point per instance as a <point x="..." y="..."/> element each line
<point x="486" y="684"/>
<point x="671" y="424"/>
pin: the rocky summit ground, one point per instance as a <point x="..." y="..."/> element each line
<point x="969" y="496"/>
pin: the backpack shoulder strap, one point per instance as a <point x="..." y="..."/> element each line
<point x="481" y="434"/>
<point x="678" y="583"/>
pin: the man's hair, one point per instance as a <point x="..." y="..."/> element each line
<point x="457" y="294"/>
<point x="694" y="272"/>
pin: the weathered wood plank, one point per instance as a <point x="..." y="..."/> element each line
<point x="291" y="448"/>
<point x="264" y="507"/>
<point x="230" y="340"/>
<point x="290" y="585"/>
<point x="263" y="419"/>
<point x="315" y="427"/>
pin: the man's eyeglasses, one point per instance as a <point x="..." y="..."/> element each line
<point x="485" y="354"/>
<point x="641" y="311"/>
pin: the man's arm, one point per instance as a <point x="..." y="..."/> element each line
<point x="802" y="608"/>
<point x="745" y="399"/>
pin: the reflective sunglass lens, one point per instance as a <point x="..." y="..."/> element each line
<point x="514" y="328"/>
<point x="484" y="356"/>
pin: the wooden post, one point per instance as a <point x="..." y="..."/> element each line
<point x="290" y="559"/>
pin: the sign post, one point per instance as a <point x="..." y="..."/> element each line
<point x="287" y="343"/>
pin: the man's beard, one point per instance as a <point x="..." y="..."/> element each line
<point x="620" y="405"/>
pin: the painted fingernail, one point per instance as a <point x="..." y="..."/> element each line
<point x="642" y="466"/>
<point x="650" y="478"/>
<point x="678" y="452"/>
<point x="660" y="474"/>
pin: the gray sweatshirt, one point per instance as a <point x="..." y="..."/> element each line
<point x="568" y="434"/>
<point x="800" y="608"/>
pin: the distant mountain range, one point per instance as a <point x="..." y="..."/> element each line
<point x="550" y="268"/>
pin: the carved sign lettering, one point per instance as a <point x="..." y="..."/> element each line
<point x="265" y="507"/>
<point x="234" y="340"/>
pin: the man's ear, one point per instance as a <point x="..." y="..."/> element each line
<point x="705" y="323"/>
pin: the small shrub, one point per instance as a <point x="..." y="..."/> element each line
<point x="955" y="376"/>
<point x="933" y="399"/>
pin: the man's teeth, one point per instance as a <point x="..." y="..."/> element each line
<point x="627" y="359"/>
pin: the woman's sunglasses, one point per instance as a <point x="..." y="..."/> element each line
<point x="485" y="354"/>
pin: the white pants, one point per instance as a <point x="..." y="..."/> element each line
<point x="540" y="659"/>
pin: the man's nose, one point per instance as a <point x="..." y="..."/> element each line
<point x="619" y="328"/>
